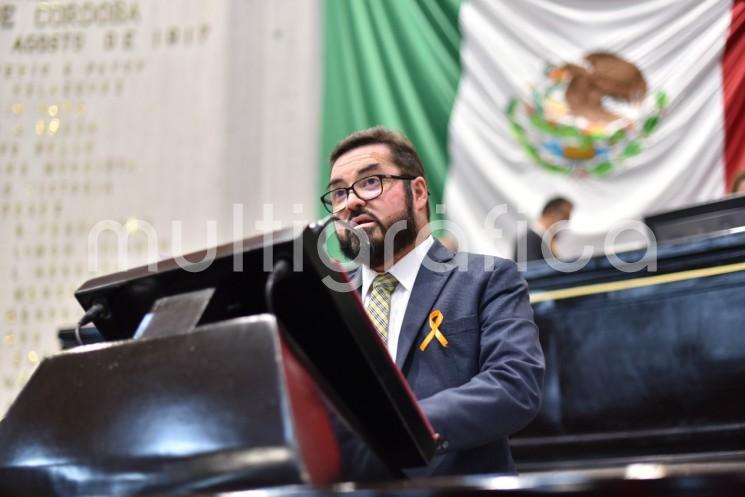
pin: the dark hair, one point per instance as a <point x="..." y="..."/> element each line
<point x="739" y="178"/>
<point x="555" y="204"/>
<point x="402" y="151"/>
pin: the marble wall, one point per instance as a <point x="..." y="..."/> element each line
<point x="136" y="130"/>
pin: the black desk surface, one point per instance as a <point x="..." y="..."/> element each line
<point x="641" y="364"/>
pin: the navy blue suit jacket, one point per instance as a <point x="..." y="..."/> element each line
<point x="486" y="384"/>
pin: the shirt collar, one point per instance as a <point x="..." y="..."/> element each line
<point x="405" y="270"/>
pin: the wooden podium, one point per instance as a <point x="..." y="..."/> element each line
<point x="251" y="386"/>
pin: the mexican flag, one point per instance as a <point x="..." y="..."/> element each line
<point x="626" y="107"/>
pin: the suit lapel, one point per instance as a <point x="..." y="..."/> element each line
<point x="427" y="287"/>
<point x="355" y="278"/>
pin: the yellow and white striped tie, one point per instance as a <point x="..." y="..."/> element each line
<point x="379" y="304"/>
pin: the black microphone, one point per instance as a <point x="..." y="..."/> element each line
<point x="318" y="226"/>
<point x="96" y="311"/>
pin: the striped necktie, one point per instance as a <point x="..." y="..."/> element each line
<point x="379" y="304"/>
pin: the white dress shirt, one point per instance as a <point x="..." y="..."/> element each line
<point x="405" y="271"/>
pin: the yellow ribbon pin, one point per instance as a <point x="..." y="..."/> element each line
<point x="435" y="320"/>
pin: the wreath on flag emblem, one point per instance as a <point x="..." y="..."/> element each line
<point x="588" y="118"/>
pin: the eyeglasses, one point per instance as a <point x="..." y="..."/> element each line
<point x="366" y="188"/>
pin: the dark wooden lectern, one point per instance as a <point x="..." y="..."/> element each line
<point x="230" y="403"/>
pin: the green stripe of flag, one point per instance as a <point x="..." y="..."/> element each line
<point x="395" y="63"/>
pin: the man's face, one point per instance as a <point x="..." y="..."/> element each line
<point x="375" y="216"/>
<point x="564" y="213"/>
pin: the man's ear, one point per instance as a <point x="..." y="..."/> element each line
<point x="420" y="192"/>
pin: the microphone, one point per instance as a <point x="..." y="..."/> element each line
<point x="96" y="311"/>
<point x="318" y="226"/>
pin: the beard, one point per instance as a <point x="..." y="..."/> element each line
<point x="371" y="249"/>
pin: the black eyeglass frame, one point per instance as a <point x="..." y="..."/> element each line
<point x="329" y="205"/>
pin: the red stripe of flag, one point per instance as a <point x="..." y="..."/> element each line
<point x="733" y="73"/>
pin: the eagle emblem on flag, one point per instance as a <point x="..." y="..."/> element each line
<point x="587" y="118"/>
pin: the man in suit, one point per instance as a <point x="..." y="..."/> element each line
<point x="539" y="242"/>
<point x="479" y="379"/>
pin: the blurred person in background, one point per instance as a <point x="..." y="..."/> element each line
<point x="738" y="184"/>
<point x="539" y="242"/>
